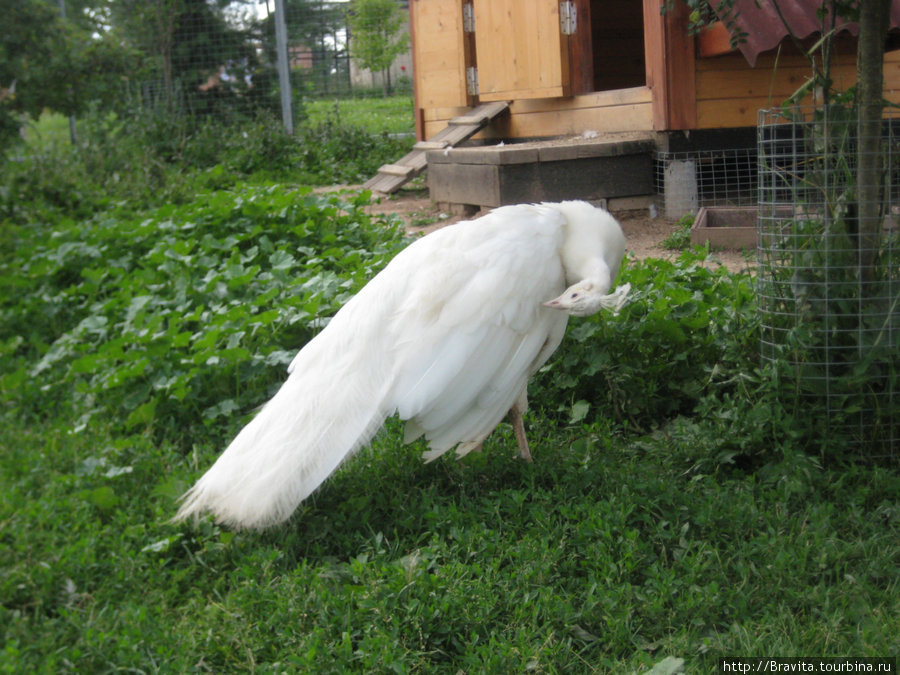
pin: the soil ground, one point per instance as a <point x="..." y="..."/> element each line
<point x="644" y="232"/>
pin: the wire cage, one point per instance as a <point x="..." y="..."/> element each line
<point x="222" y="59"/>
<point x="829" y="280"/>
<point x="685" y="181"/>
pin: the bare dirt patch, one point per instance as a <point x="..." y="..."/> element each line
<point x="643" y="231"/>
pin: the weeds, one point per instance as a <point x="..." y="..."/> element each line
<point x="680" y="238"/>
<point x="145" y="161"/>
<point x="683" y="323"/>
<point x="188" y="315"/>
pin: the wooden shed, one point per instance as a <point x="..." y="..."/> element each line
<point x="619" y="79"/>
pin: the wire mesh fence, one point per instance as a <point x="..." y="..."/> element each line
<point x="685" y="181"/>
<point x="227" y="59"/>
<point x="200" y="59"/>
<point x="829" y="279"/>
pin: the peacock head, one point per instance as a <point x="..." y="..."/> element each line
<point x="588" y="297"/>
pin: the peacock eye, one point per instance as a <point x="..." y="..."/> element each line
<point x="574" y="295"/>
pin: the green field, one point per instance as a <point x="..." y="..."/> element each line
<point x="392" y="115"/>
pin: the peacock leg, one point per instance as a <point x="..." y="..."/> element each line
<point x="518" y="425"/>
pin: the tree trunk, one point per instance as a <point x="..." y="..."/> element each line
<point x="873" y="25"/>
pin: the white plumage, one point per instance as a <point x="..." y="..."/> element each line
<point x="446" y="336"/>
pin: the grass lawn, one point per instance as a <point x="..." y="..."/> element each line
<point x="392" y="114"/>
<point x="606" y="555"/>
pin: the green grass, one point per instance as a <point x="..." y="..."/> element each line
<point x="50" y="128"/>
<point x="392" y="115"/>
<point x="606" y="555"/>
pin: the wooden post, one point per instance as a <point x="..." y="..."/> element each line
<point x="669" y="55"/>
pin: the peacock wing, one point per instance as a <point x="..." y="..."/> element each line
<point x="471" y="326"/>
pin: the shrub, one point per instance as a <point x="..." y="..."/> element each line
<point x="331" y="152"/>
<point x="189" y="314"/>
<point x="684" y="323"/>
<point x="147" y="160"/>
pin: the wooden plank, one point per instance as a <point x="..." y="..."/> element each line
<point x="391" y="177"/>
<point x="562" y="120"/>
<point x="395" y="170"/>
<point x="580" y="51"/>
<point x="654" y="57"/>
<point x="584" y="106"/>
<point x="728" y="82"/>
<point x="726" y="113"/>
<point x="469" y="120"/>
<point x="598" y="99"/>
<point x="443" y="114"/>
<point x="637" y="117"/>
<point x="431" y="145"/>
<point x="669" y="55"/>
<point x="730" y="93"/>
<point x="680" y="98"/>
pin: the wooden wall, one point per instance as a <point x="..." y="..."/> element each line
<point x="682" y="90"/>
<point x="729" y="92"/>
<point x="617" y="110"/>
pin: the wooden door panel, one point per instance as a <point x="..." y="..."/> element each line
<point x="521" y="51"/>
<point x="440" y="58"/>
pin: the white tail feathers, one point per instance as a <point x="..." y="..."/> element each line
<point x="295" y="442"/>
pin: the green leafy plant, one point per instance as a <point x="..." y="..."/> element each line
<point x="643" y="530"/>
<point x="654" y="360"/>
<point x="829" y="302"/>
<point x="680" y="238"/>
<point x="336" y="152"/>
<point x="190" y="314"/>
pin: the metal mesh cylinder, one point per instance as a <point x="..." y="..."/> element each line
<point x="828" y="293"/>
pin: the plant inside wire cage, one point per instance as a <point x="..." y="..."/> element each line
<point x="828" y="296"/>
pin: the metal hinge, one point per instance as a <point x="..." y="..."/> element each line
<point x="472" y="81"/>
<point x="468" y="18"/>
<point x="568" y="18"/>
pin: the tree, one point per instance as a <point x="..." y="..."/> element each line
<point x="150" y="27"/>
<point x="201" y="58"/>
<point x="874" y="20"/>
<point x="316" y="25"/>
<point x="46" y="62"/>
<point x="376" y="35"/>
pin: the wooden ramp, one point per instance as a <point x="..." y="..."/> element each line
<point x="391" y="177"/>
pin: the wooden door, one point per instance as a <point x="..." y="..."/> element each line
<point x="522" y="49"/>
<point x="440" y="54"/>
